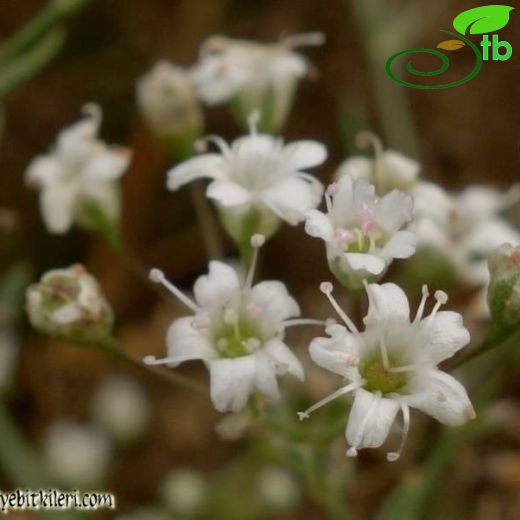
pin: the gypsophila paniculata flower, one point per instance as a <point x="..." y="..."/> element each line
<point x="78" y="178"/>
<point x="391" y="365"/>
<point x="363" y="233"/>
<point x="237" y="330"/>
<point x="253" y="76"/>
<point x="257" y="181"/>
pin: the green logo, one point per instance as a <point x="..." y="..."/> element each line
<point x="480" y="20"/>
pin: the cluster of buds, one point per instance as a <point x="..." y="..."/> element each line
<point x="68" y="303"/>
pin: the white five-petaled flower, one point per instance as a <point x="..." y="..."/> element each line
<point x="237" y="331"/>
<point x="362" y="232"/>
<point x="255" y="76"/>
<point x="80" y="172"/>
<point x="258" y="179"/>
<point x="392" y="365"/>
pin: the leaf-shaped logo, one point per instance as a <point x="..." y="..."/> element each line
<point x="450" y="45"/>
<point x="482" y="20"/>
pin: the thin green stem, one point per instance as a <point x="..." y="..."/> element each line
<point x="37" y="26"/>
<point x="112" y="348"/>
<point x="25" y="66"/>
<point x="492" y="342"/>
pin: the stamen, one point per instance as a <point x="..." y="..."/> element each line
<point x="383" y="350"/>
<point x="420" y="310"/>
<point x="303" y="321"/>
<point x="252" y="121"/>
<point x="405" y="410"/>
<point x="257" y="241"/>
<point x="366" y="139"/>
<point x="252" y="344"/>
<point x="152" y="360"/>
<point x="93" y="110"/>
<point x="338" y="393"/>
<point x="310" y="39"/>
<point x="441" y="298"/>
<point x="345" y="235"/>
<point x="201" y="145"/>
<point x="157" y="276"/>
<point x="326" y="288"/>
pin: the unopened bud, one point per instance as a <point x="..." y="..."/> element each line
<point x="170" y="107"/>
<point x="504" y="286"/>
<point x="68" y="303"/>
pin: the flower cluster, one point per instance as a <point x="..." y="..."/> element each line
<point x="376" y="211"/>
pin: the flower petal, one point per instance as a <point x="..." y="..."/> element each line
<point x="394" y="210"/>
<point x="228" y="193"/>
<point x="386" y="301"/>
<point x="208" y="165"/>
<point x="293" y="197"/>
<point x="372" y="264"/>
<point x="443" y="336"/>
<point x="401" y="245"/>
<point x="183" y="339"/>
<point x="440" y="395"/>
<point x="285" y="360"/>
<point x="337" y="354"/>
<point x="301" y="155"/>
<point x="108" y="164"/>
<point x="265" y="379"/>
<point x="220" y="287"/>
<point x="231" y="382"/>
<point x="401" y="171"/>
<point x="58" y="202"/>
<point x="273" y="304"/>
<point x="318" y="225"/>
<point x="358" y="167"/>
<point x="43" y="171"/>
<point x="370" y="419"/>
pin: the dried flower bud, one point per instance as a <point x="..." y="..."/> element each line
<point x="68" y="303"/>
<point x="504" y="286"/>
<point x="169" y="105"/>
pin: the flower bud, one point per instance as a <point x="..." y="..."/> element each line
<point x="68" y="303"/>
<point x="170" y="107"/>
<point x="504" y="286"/>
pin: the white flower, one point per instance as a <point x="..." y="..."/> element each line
<point x="121" y="408"/>
<point x="75" y="454"/>
<point x="362" y="232"/>
<point x="79" y="173"/>
<point x="466" y="227"/>
<point x="392" y="365"/>
<point x="389" y="170"/>
<point x="258" y="179"/>
<point x="237" y="331"/>
<point x="255" y="76"/>
<point x="167" y="100"/>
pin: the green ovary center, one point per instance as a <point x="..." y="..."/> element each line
<point x="379" y="379"/>
<point x="237" y="339"/>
